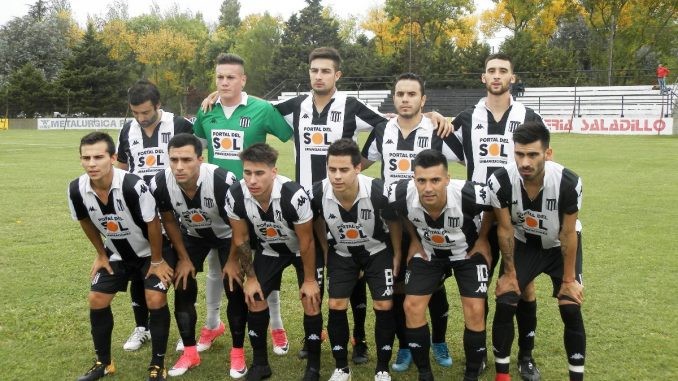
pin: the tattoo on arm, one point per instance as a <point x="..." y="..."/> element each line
<point x="245" y="255"/>
<point x="507" y="256"/>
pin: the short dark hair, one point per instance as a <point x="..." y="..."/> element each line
<point x="411" y="77"/>
<point x="260" y="153"/>
<point x="184" y="139"/>
<point x="96" y="137"/>
<point x="499" y="56"/>
<point x="430" y="158"/>
<point x="530" y="132"/>
<point x="230" y="59"/>
<point x="143" y="90"/>
<point x="345" y="147"/>
<point x="327" y="53"/>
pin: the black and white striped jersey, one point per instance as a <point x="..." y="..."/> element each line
<point x="204" y="215"/>
<point x="396" y="153"/>
<point x="123" y="220"/>
<point x="540" y="218"/>
<point x="360" y="230"/>
<point x="343" y="117"/>
<point x="289" y="206"/>
<point x="485" y="144"/>
<point x="455" y="232"/>
<point x="145" y="156"/>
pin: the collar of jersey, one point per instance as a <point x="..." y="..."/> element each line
<point x="243" y="99"/>
<point x="117" y="181"/>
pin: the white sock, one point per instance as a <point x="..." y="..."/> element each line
<point x="214" y="290"/>
<point x="274" y="310"/>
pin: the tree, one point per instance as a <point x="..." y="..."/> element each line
<point x="29" y="92"/>
<point x="303" y="32"/>
<point x="255" y="39"/>
<point x="97" y="84"/>
<point x="229" y="14"/>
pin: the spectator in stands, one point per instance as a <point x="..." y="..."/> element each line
<point x="662" y="73"/>
<point x="518" y="88"/>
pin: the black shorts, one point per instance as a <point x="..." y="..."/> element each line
<point x="198" y="249"/>
<point x="269" y="271"/>
<point x="424" y="277"/>
<point x="343" y="273"/>
<point x="530" y="260"/>
<point x="123" y="271"/>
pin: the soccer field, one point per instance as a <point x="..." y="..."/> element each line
<point x="630" y="217"/>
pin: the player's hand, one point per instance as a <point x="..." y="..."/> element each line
<point x="507" y="283"/>
<point x="572" y="290"/>
<point x="207" y="103"/>
<point x="310" y="289"/>
<point x="100" y="261"/>
<point x="183" y="270"/>
<point x="482" y="247"/>
<point x="443" y="124"/>
<point x="162" y="270"/>
<point x="416" y="248"/>
<point x="252" y="288"/>
<point x="233" y="272"/>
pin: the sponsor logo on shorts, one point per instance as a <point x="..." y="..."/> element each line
<point x="160" y="286"/>
<point x="482" y="289"/>
<point x="388" y="292"/>
<point x="95" y="280"/>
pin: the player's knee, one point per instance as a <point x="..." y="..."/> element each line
<point x="338" y="304"/>
<point x="155" y="299"/>
<point x="414" y="308"/>
<point x="257" y="305"/>
<point x="98" y="300"/>
<point x="529" y="294"/>
<point x="382" y="305"/>
<point x="510" y="298"/>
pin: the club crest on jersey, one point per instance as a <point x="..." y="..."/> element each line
<point x="245" y="121"/>
<point x="166" y="136"/>
<point x="335" y="116"/>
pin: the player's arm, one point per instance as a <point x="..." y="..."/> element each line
<point x="309" y="288"/>
<point x="482" y="244"/>
<point x="93" y="235"/>
<point x="121" y="165"/>
<point x="568" y="246"/>
<point x="158" y="266"/>
<point x="444" y="125"/>
<point x="508" y="281"/>
<point x="395" y="228"/>
<point x="319" y="227"/>
<point x="209" y="101"/>
<point x="184" y="266"/>
<point x="241" y="241"/>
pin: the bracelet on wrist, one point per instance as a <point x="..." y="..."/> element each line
<point x="157" y="263"/>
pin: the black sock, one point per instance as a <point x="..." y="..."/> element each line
<point x="526" y="316"/>
<point x="574" y="337"/>
<point x="159" y="324"/>
<point x="502" y="335"/>
<point x="475" y="350"/>
<point x="438" y="309"/>
<point x="236" y="314"/>
<point x="258" y="332"/>
<point x="313" y="326"/>
<point x="419" y="342"/>
<point x="101" y="323"/>
<point x="384" y="333"/>
<point x="184" y="311"/>
<point x="337" y="327"/>
<point x="399" y="318"/>
<point x="359" y="308"/>
<point x="137" y="292"/>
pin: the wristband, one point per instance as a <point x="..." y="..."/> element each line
<point x="157" y="263"/>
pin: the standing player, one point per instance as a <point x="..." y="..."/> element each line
<point x="483" y="137"/>
<point x="142" y="150"/>
<point x="395" y="145"/>
<point x="111" y="202"/>
<point x="279" y="213"/>
<point x="444" y="213"/>
<point x="196" y="193"/>
<point x="351" y="207"/>
<point x="536" y="202"/>
<point x="238" y="121"/>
